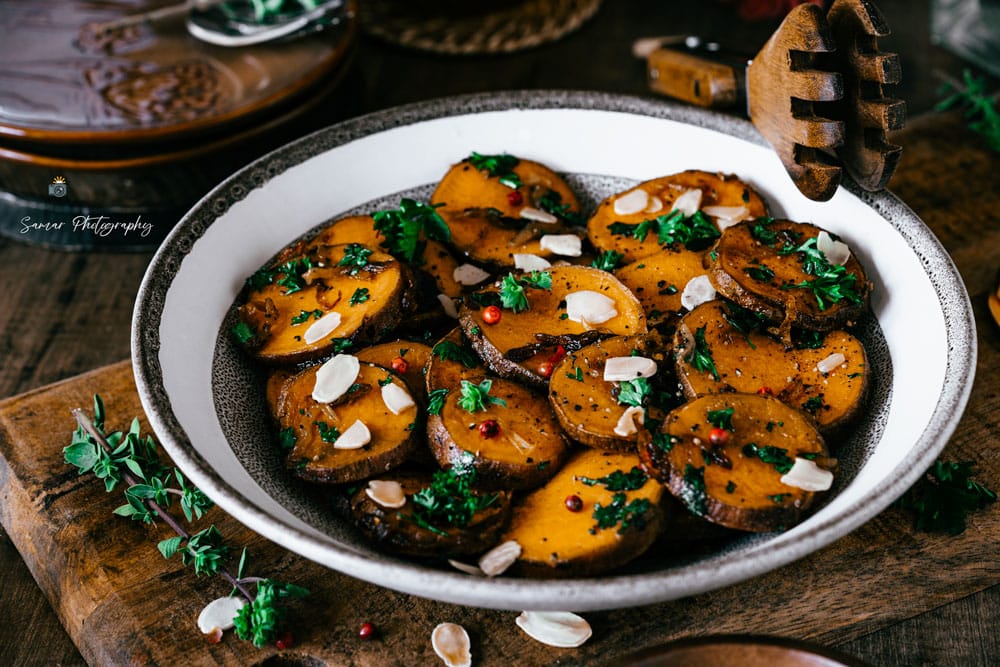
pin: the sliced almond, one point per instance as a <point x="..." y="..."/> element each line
<point x="626" y="423"/>
<point x="836" y="252"/>
<point x="567" y="245"/>
<point x="688" y="202"/>
<point x="537" y="215"/>
<point x="589" y="307"/>
<point x="451" y="643"/>
<point x="469" y="274"/>
<point x="496" y="561"/>
<point x="698" y="290"/>
<point x="465" y="567"/>
<point x="805" y="474"/>
<point x="619" y="369"/>
<point x="448" y="304"/>
<point x="335" y="377"/>
<point x="396" y="398"/>
<point x="655" y="205"/>
<point x="555" y="628"/>
<point x="355" y="437"/>
<point x="528" y="262"/>
<point x="831" y="362"/>
<point x="220" y="613"/>
<point x="387" y="493"/>
<point x="634" y="201"/>
<point x="322" y="328"/>
<point x="733" y="214"/>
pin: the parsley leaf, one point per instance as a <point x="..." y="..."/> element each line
<point x="449" y="500"/>
<point x="304" y="316"/>
<point x="435" y="401"/>
<point x="776" y="456"/>
<point x="551" y="202"/>
<point x="355" y="257"/>
<point x="405" y="227"/>
<point x="631" y="514"/>
<point x="449" y="351"/>
<point x="607" y="260"/>
<point x="501" y="166"/>
<point x="943" y="497"/>
<point x="475" y="398"/>
<point x="512" y="295"/>
<point x="700" y="355"/>
<point x="360" y="296"/>
<point x="721" y="418"/>
<point x="618" y="480"/>
<point x="760" y="273"/>
<point x="634" y="392"/>
<point x="692" y="492"/>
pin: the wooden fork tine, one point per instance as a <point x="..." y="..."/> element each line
<point x="866" y="153"/>
<point x="783" y="83"/>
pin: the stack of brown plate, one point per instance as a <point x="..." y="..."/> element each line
<point x="106" y="139"/>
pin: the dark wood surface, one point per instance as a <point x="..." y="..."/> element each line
<point x="64" y="314"/>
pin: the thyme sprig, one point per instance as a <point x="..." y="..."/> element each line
<point x="979" y="106"/>
<point x="128" y="458"/>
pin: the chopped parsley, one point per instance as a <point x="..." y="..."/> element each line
<point x="576" y="375"/>
<point x="304" y="316"/>
<point x="693" y="491"/>
<point x="638" y="231"/>
<point x="730" y="486"/>
<point x="831" y="285"/>
<point x="695" y="232"/>
<point x="355" y="258"/>
<point x="405" y="228"/>
<point x="435" y="401"/>
<point x="618" y="480"/>
<point x="512" y="295"/>
<point x="628" y="514"/>
<point x="243" y="332"/>
<point x="778" y="498"/>
<point x="634" y="392"/>
<point x="607" y="260"/>
<point x="808" y="340"/>
<point x="942" y="499"/>
<point x="446" y="350"/>
<point x="475" y="398"/>
<point x="360" y="296"/>
<point x="664" y="441"/>
<point x="721" y="418"/>
<point x="286" y="438"/>
<point x="450" y="500"/>
<point x="290" y="272"/>
<point x="327" y="433"/>
<point x="759" y="230"/>
<point x="700" y="355"/>
<point x="341" y="344"/>
<point x="551" y="202"/>
<point x="500" y="166"/>
<point x="775" y="456"/>
<point x="813" y="405"/>
<point x="760" y="273"/>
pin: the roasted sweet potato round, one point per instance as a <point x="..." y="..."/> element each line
<point x="774" y="268"/>
<point x="635" y="232"/>
<point x="658" y="281"/>
<point x="504" y="207"/>
<point x="732" y="477"/>
<point x="398" y="529"/>
<point x="618" y="517"/>
<point x="410" y="356"/>
<point x="298" y="310"/>
<point x="825" y="375"/>
<point x="591" y="409"/>
<point x="314" y="427"/>
<point x="520" y="343"/>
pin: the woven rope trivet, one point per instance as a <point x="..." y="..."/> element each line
<point x="511" y="27"/>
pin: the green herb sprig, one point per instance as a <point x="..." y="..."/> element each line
<point x="832" y="284"/>
<point x="943" y="498"/>
<point x="695" y="231"/>
<point x="512" y="294"/>
<point x="634" y="392"/>
<point x="618" y="511"/>
<point x="700" y="355"/>
<point x="619" y="481"/>
<point x="128" y="458"/>
<point x="500" y="166"/>
<point x="406" y="228"/>
<point x="476" y="397"/>
<point x="450" y="500"/>
<point x="979" y="106"/>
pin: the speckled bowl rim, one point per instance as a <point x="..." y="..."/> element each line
<point x="606" y="592"/>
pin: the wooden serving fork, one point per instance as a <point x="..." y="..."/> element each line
<point x="815" y="91"/>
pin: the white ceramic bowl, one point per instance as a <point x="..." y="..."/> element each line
<point x="204" y="400"/>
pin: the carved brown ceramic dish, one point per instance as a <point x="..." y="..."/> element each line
<point x="62" y="81"/>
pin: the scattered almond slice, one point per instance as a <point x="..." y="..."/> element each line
<point x="727" y="216"/>
<point x="805" y="474"/>
<point x="619" y="369"/>
<point x="355" y="437"/>
<point x="219" y="614"/>
<point x="451" y="643"/>
<point x="335" y="377"/>
<point x="396" y="398"/>
<point x="528" y="262"/>
<point x="387" y="493"/>
<point x="469" y="274"/>
<point x="465" y="567"/>
<point x="699" y="290"/>
<point x="496" y="561"/>
<point x="537" y="215"/>
<point x="567" y="245"/>
<point x="655" y="205"/>
<point x="555" y="628"/>
<point x="448" y="304"/>
<point x="589" y="307"/>
<point x="831" y="362"/>
<point x="688" y="202"/>
<point x="632" y="202"/>
<point x="836" y="253"/>
<point x="626" y="423"/>
<point x="322" y="328"/>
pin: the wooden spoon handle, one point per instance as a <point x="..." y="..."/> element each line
<point x="696" y="79"/>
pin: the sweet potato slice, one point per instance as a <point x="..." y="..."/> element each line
<point x="399" y="530"/>
<point x="631" y="235"/>
<point x="520" y="343"/>
<point x="619" y="516"/>
<point x="735" y="480"/>
<point x="406" y="354"/>
<point x="490" y="220"/>
<point x="450" y="361"/>
<point x="314" y="428"/>
<point x="658" y="281"/>
<point x="368" y="290"/>
<point x="756" y="264"/>
<point x="811" y="376"/>
<point x="589" y="408"/>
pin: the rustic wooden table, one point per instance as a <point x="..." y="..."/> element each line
<point x="64" y="314"/>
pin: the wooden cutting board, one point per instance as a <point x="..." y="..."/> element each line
<point x="122" y="603"/>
